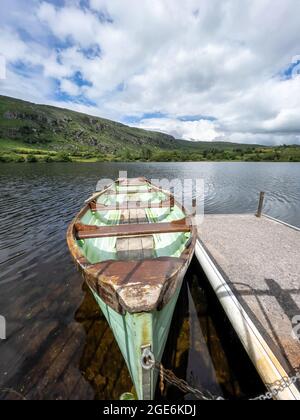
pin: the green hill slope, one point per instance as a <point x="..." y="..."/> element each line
<point x="58" y="129"/>
<point x="51" y="133"/>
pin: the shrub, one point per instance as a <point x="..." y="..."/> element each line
<point x="146" y="153"/>
<point x="64" y="157"/>
<point x="30" y="140"/>
<point x="294" y="159"/>
<point x="20" y="159"/>
<point x="31" y="159"/>
<point x="5" y="159"/>
<point x="48" y="159"/>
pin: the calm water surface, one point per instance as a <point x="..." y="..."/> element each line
<point x="58" y="343"/>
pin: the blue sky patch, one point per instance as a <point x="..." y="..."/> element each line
<point x="25" y="69"/>
<point x="60" y="96"/>
<point x="81" y="99"/>
<point x="121" y="87"/>
<point x="25" y="35"/>
<point x="292" y="70"/>
<point x="79" y="80"/>
<point x="58" y="3"/>
<point x="94" y="51"/>
<point x="134" y="119"/>
<point x="59" y="44"/>
<point x="84" y="4"/>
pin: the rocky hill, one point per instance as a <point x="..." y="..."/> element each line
<point x="64" y="129"/>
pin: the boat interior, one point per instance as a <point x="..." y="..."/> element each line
<point x="132" y="221"/>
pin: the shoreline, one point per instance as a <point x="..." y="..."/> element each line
<point x="144" y="161"/>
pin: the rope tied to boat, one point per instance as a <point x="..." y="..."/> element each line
<point x="161" y="383"/>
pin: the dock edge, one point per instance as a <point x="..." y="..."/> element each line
<point x="266" y="363"/>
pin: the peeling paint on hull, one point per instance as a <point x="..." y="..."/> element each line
<point x="133" y="331"/>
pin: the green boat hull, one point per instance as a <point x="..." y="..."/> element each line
<point x="134" y="332"/>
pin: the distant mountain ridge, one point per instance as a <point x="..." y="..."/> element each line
<point x="60" y="128"/>
<point x="43" y="124"/>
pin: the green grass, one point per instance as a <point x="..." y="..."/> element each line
<point x="10" y="144"/>
<point x="280" y="154"/>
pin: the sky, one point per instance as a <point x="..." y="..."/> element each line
<point x="210" y="70"/>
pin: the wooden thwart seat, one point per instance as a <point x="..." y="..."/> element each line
<point x="133" y="216"/>
<point x="133" y="205"/>
<point x="129" y="192"/>
<point x="89" y="232"/>
<point x="132" y="182"/>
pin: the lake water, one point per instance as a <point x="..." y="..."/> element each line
<point x="58" y="344"/>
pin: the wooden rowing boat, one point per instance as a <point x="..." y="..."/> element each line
<point x="133" y="242"/>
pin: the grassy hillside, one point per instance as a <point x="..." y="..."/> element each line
<point x="30" y="132"/>
<point x="64" y="129"/>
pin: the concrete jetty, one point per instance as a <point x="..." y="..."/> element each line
<point x="253" y="263"/>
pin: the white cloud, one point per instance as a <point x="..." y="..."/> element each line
<point x="70" y="88"/>
<point x="285" y="122"/>
<point x="190" y="130"/>
<point x="221" y="59"/>
<point x="32" y="89"/>
<point x="69" y="21"/>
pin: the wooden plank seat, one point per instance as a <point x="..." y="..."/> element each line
<point x="133" y="216"/>
<point x="94" y="206"/>
<point x="89" y="231"/>
<point x="128" y="192"/>
<point x="132" y="182"/>
<point x="135" y="248"/>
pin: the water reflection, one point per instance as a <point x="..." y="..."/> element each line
<point x="101" y="362"/>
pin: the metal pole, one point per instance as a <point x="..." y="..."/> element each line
<point x="261" y="204"/>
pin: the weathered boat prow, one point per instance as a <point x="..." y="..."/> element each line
<point x="133" y="243"/>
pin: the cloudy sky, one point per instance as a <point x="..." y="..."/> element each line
<point x="197" y="69"/>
